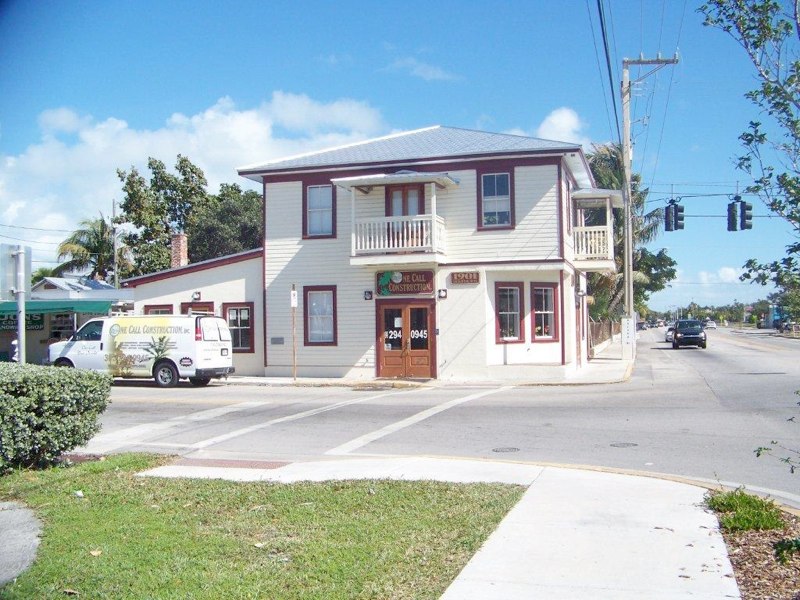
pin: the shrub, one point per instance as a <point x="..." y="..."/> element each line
<point x="739" y="511"/>
<point x="46" y="411"/>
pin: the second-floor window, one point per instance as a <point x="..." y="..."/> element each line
<point x="495" y="200"/>
<point x="319" y="211"/>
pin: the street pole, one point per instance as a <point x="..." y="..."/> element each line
<point x="114" y="242"/>
<point x="19" y="293"/>
<point x="629" y="325"/>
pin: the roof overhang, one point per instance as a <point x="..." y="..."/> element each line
<point x="586" y="196"/>
<point x="46" y="307"/>
<point x="365" y="183"/>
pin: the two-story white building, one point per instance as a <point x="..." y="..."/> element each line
<point x="437" y="253"/>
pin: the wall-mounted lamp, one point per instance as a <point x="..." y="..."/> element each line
<point x="196" y="296"/>
<point x="368" y="295"/>
<point x="441" y="294"/>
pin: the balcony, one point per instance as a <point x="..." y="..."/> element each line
<point x="594" y="248"/>
<point x="416" y="239"/>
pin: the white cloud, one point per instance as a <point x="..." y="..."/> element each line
<point x="563" y="125"/>
<point x="422" y="70"/>
<point x="70" y="174"/>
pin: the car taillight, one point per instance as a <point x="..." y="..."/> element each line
<point x="198" y="333"/>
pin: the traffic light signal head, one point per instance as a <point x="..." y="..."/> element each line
<point x="733" y="216"/>
<point x="678" y="217"/>
<point x="745" y="215"/>
<point x="669" y="217"/>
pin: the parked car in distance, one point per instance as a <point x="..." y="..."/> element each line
<point x="710" y="325"/>
<point x="669" y="333"/>
<point x="689" y="332"/>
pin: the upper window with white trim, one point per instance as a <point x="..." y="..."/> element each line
<point x="319" y="211"/>
<point x="495" y="200"/>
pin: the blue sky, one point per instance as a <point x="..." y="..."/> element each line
<point x="90" y="87"/>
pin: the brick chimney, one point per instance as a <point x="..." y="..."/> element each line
<point x="180" y="250"/>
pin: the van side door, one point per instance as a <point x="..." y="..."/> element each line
<point x="86" y="347"/>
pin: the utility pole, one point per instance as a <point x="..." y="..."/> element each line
<point x="658" y="63"/>
<point x="114" y="242"/>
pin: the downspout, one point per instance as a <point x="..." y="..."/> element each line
<point x="562" y="319"/>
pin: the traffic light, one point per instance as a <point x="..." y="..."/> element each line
<point x="669" y="217"/>
<point x="745" y="215"/>
<point x="679" y="217"/>
<point x="733" y="216"/>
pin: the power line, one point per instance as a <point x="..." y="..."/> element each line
<point x="608" y="65"/>
<point x="600" y="70"/>
<point x="16" y="239"/>
<point x="36" y="228"/>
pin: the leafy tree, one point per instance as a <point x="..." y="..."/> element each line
<point x="230" y="222"/>
<point x="158" y="209"/>
<point x="92" y="245"/>
<point x="651" y="272"/>
<point x="41" y="273"/>
<point x="768" y="33"/>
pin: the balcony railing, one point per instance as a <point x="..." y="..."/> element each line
<point x="593" y="243"/>
<point x="394" y="235"/>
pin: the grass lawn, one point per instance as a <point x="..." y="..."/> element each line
<point x="135" y="537"/>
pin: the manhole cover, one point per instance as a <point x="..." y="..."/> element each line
<point x="623" y="445"/>
<point x="505" y="449"/>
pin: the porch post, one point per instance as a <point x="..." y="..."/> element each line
<point x="434" y="241"/>
<point x="352" y="221"/>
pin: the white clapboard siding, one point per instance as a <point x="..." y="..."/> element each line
<point x="535" y="236"/>
<point x="293" y="260"/>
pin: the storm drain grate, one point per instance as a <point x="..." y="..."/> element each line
<point x="506" y="449"/>
<point x="623" y="445"/>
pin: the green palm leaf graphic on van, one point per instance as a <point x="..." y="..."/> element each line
<point x="157" y="348"/>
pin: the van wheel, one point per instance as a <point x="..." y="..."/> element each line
<point x="63" y="362"/>
<point x="199" y="381"/>
<point x="165" y="375"/>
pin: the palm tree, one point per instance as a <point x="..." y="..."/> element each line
<point x="605" y="162"/>
<point x="91" y="246"/>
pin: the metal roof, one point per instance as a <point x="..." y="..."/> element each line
<point x="429" y="143"/>
<point x="74" y="285"/>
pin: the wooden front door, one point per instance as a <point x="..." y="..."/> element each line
<point x="406" y="342"/>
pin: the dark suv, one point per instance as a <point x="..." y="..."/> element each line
<point x="689" y="332"/>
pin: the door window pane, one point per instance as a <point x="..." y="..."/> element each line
<point x="392" y="329"/>
<point x="418" y="331"/>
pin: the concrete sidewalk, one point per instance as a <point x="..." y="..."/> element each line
<point x="607" y="366"/>
<point x="575" y="533"/>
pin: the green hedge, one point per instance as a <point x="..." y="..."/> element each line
<point x="45" y="411"/>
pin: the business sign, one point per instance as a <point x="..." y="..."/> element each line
<point x="398" y="283"/>
<point x="460" y="277"/>
<point x="33" y="322"/>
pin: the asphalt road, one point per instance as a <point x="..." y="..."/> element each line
<point x="688" y="412"/>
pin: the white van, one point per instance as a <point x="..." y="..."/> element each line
<point x="164" y="347"/>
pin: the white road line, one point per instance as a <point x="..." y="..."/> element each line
<point x="113" y="440"/>
<point x="362" y="441"/>
<point x="295" y="417"/>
